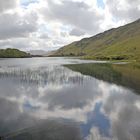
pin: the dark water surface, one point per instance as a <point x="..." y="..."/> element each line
<point x="63" y="99"/>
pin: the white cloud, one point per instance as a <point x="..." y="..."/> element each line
<point x="77" y="32"/>
<point x="15" y="26"/>
<point x="7" y="4"/>
<point x="75" y="14"/>
<point x="47" y="24"/>
<point x="126" y="10"/>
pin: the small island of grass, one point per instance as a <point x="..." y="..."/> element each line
<point x="13" y="53"/>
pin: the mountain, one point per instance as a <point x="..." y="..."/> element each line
<point x="41" y="53"/>
<point x="120" y="43"/>
<point x="49" y="53"/>
<point x="13" y="53"/>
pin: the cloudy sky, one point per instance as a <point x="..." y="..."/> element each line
<point x="51" y="24"/>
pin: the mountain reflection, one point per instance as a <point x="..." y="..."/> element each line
<point x="126" y="75"/>
<point x="56" y="103"/>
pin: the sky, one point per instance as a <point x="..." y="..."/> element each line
<point x="51" y="24"/>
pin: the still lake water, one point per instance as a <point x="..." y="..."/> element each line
<point x="40" y="99"/>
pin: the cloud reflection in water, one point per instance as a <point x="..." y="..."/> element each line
<point x="101" y="110"/>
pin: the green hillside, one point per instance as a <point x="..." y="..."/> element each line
<point x="116" y="44"/>
<point x="13" y="53"/>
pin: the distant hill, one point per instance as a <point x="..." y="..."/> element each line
<point x="37" y="52"/>
<point x="41" y="53"/>
<point x="116" y="44"/>
<point x="13" y="53"/>
<point x="50" y="53"/>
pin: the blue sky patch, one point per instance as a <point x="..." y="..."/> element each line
<point x="27" y="2"/>
<point x="96" y="119"/>
<point x="101" y="4"/>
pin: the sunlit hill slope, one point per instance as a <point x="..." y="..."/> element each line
<point x="121" y="43"/>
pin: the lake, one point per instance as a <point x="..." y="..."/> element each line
<point x="68" y="99"/>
